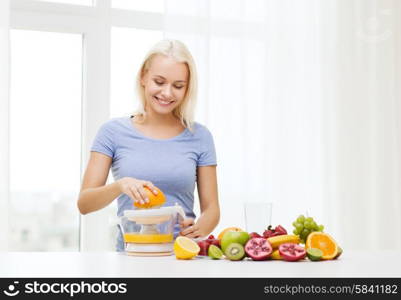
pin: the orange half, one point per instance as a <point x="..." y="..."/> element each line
<point x="154" y="200"/>
<point x="324" y="242"/>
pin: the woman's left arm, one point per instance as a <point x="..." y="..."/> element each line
<point x="209" y="204"/>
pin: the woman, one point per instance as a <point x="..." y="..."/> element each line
<point x="158" y="146"/>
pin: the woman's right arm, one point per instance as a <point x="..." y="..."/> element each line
<point x="95" y="195"/>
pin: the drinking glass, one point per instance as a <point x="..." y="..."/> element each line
<point x="257" y="216"/>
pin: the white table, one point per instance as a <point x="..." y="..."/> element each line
<point x="112" y="264"/>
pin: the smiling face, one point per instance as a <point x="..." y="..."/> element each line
<point x="165" y="84"/>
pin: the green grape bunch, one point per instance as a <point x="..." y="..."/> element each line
<point x="304" y="226"/>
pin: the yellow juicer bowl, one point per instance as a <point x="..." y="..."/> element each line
<point x="150" y="232"/>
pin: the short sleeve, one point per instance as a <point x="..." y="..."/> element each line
<point x="207" y="155"/>
<point x="104" y="142"/>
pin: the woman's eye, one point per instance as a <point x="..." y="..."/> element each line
<point x="158" y="82"/>
<point x="179" y="87"/>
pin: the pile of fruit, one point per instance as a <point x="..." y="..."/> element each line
<point x="235" y="244"/>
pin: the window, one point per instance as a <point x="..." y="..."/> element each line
<point x="45" y="146"/>
<point x="128" y="49"/>
<point x="239" y="10"/>
<point x="114" y="36"/>
<point x="149" y="6"/>
<point x="76" y="2"/>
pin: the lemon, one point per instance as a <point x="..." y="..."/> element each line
<point x="185" y="248"/>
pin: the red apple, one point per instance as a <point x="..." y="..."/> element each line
<point x="204" y="246"/>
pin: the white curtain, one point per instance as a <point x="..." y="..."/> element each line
<point x="303" y="100"/>
<point x="4" y="132"/>
<point x="362" y="94"/>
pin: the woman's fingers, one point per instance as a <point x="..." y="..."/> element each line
<point x="137" y="195"/>
<point x="193" y="233"/>
<point x="144" y="196"/>
<point x="186" y="232"/>
<point x="134" y="188"/>
<point x="130" y="194"/>
<point x="151" y="187"/>
<point x="187" y="222"/>
<point x="189" y="230"/>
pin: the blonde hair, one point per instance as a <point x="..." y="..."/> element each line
<point x="180" y="53"/>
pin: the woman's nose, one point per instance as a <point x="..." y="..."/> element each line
<point x="167" y="91"/>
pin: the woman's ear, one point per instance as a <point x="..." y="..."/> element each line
<point x="143" y="77"/>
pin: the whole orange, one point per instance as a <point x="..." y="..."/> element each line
<point x="220" y="236"/>
<point x="154" y="200"/>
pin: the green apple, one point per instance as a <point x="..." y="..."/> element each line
<point x="240" y="237"/>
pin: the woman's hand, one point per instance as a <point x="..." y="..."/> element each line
<point x="190" y="229"/>
<point x="209" y="205"/>
<point x="134" y="188"/>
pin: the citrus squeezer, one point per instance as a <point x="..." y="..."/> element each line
<point x="150" y="231"/>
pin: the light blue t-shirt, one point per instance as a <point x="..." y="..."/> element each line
<point x="170" y="164"/>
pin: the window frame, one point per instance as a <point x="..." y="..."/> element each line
<point x="94" y="23"/>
